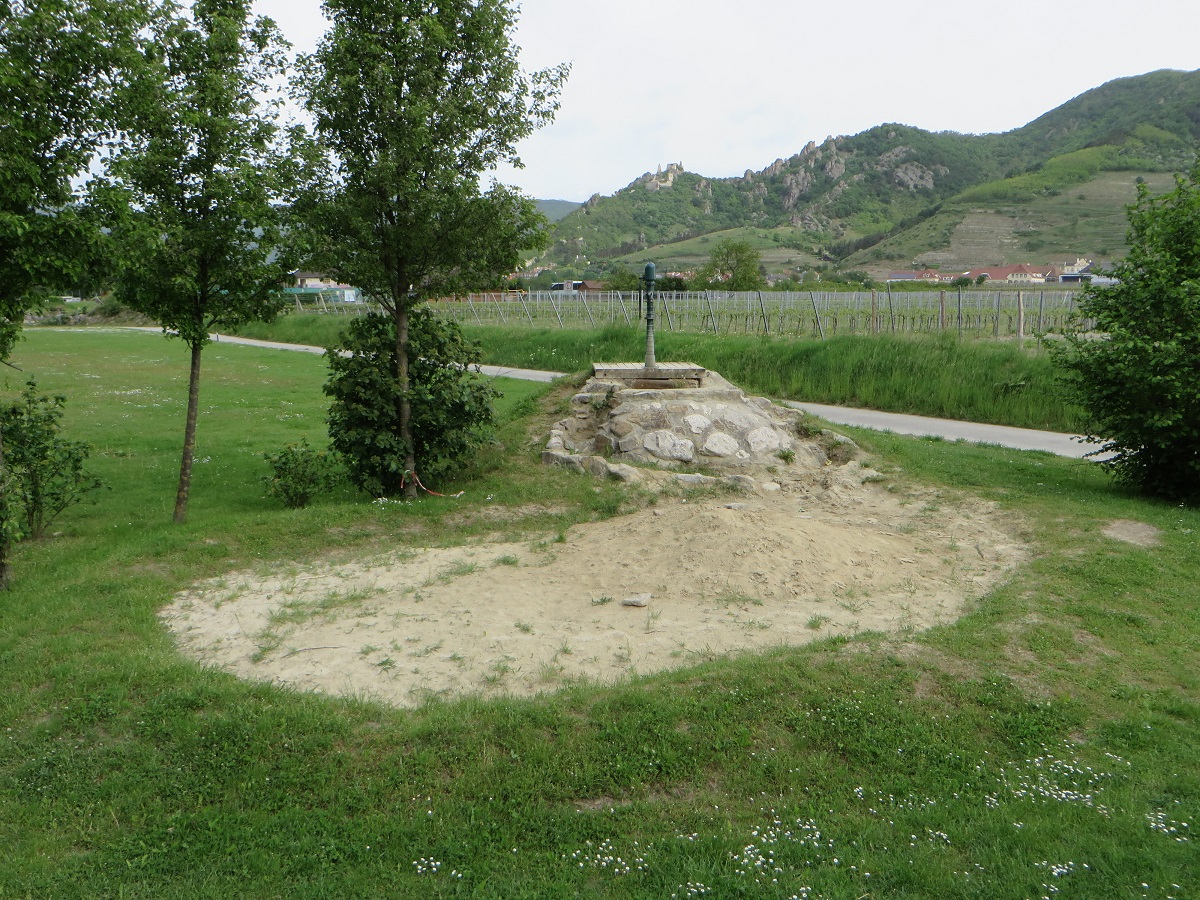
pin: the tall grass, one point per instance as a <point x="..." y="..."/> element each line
<point x="1044" y="744"/>
<point x="971" y="380"/>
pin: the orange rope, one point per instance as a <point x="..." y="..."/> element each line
<point x="427" y="490"/>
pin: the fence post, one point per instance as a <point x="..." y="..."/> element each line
<point x="666" y="311"/>
<point x="521" y="297"/>
<point x="942" y="311"/>
<point x="817" y="314"/>
<point x="874" y="311"/>
<point x="891" y="309"/>
<point x="1020" y="318"/>
<point x="624" y="311"/>
<point x="495" y="298"/>
<point x="996" y="327"/>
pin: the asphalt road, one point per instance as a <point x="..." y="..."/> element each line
<point x="1068" y="445"/>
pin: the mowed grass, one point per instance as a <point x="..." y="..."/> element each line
<point x="1046" y="744"/>
<point x="971" y="380"/>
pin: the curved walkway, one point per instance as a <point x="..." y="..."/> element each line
<point x="1068" y="445"/>
<point x="951" y="429"/>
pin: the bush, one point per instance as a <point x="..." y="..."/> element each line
<point x="451" y="408"/>
<point x="299" y="473"/>
<point x="44" y="472"/>
<point x="1140" y="380"/>
<point x="110" y="307"/>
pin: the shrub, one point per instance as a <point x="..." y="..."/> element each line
<point x="451" y="408"/>
<point x="1139" y="380"/>
<point x="44" y="472"/>
<point x="299" y="473"/>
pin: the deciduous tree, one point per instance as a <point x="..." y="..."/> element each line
<point x="195" y="189"/>
<point x="59" y="62"/>
<point x="732" y="266"/>
<point x="1139" y="377"/>
<point x="413" y="103"/>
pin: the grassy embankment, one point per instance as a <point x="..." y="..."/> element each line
<point x="1048" y="741"/>
<point x="976" y="381"/>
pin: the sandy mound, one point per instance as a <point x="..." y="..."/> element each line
<point x="724" y="573"/>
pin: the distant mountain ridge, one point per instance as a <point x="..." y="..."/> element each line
<point x="556" y="209"/>
<point x="870" y="200"/>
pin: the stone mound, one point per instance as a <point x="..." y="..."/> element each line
<point x="616" y="428"/>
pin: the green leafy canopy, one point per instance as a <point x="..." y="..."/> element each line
<point x="413" y="103"/>
<point x="1139" y="378"/>
<point x="195" y="189"/>
<point x="451" y="407"/>
<point x="59" y="64"/>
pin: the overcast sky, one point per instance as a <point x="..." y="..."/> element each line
<point x="723" y="87"/>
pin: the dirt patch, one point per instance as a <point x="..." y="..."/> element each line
<point x="725" y="574"/>
<point x="1137" y="533"/>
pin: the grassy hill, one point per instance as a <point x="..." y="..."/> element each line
<point x="894" y="194"/>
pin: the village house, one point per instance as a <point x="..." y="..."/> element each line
<point x="926" y="276"/>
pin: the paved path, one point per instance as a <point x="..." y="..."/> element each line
<point x="952" y="430"/>
<point x="491" y="371"/>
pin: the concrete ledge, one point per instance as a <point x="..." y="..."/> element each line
<point x="663" y="375"/>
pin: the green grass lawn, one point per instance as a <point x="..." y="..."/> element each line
<point x="1045" y="744"/>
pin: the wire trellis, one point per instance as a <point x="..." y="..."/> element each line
<point x="976" y="313"/>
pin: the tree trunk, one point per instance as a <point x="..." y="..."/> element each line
<point x="189" y="438"/>
<point x="406" y="433"/>
<point x="5" y="569"/>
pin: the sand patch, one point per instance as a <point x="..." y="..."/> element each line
<point x="725" y="574"/>
<point x="1138" y="533"/>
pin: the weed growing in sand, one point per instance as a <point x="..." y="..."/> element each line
<point x="817" y="622"/>
<point x="601" y="601"/>
<point x="265" y="644"/>
<point x="740" y="600"/>
<point x="508" y="560"/>
<point x="426" y="650"/>
<point x="523" y="627"/>
<point x="457" y="570"/>
<point x="624" y="654"/>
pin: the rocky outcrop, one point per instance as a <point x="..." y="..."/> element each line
<point x="619" y="432"/>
